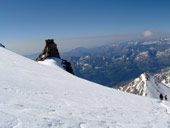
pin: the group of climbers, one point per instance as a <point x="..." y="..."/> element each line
<point x="162" y="97"/>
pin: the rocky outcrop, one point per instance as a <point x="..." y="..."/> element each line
<point x="67" y="66"/>
<point x="136" y="86"/>
<point x="1" y="45"/>
<point x="50" y="51"/>
<point x="164" y="76"/>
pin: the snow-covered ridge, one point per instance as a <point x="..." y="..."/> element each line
<point x="146" y="85"/>
<point x="52" y="62"/>
<point x="137" y="86"/>
<point x="33" y="95"/>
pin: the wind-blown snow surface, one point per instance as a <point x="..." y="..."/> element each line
<point x="37" y="96"/>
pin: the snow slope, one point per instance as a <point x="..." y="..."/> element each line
<point x="147" y="85"/>
<point x="33" y="95"/>
<point x="52" y="62"/>
<point x="154" y="88"/>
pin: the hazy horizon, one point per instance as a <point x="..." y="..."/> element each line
<point x="67" y="44"/>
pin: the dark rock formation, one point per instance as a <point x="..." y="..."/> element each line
<point x="67" y="66"/>
<point x="1" y="45"/>
<point x="51" y="51"/>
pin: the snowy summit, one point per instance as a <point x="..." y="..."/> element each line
<point x="33" y="95"/>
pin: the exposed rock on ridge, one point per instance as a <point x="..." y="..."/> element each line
<point x="164" y="76"/>
<point x="137" y="86"/>
<point x="1" y="45"/>
<point x="147" y="85"/>
<point x="51" y="51"/>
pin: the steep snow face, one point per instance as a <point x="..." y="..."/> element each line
<point x="146" y="85"/>
<point x="33" y="95"/>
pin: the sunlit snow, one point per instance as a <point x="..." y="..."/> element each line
<point x="33" y="95"/>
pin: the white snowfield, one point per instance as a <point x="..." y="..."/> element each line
<point x="33" y="95"/>
<point x="52" y="62"/>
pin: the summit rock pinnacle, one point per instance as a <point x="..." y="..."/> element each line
<point x="51" y="52"/>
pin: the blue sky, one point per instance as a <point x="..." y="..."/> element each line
<point x="25" y="24"/>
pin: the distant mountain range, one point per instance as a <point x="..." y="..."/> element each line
<point x="116" y="64"/>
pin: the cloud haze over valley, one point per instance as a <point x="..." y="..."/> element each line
<point x="27" y="47"/>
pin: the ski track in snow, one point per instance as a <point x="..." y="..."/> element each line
<point x="162" y="113"/>
<point x="166" y="107"/>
